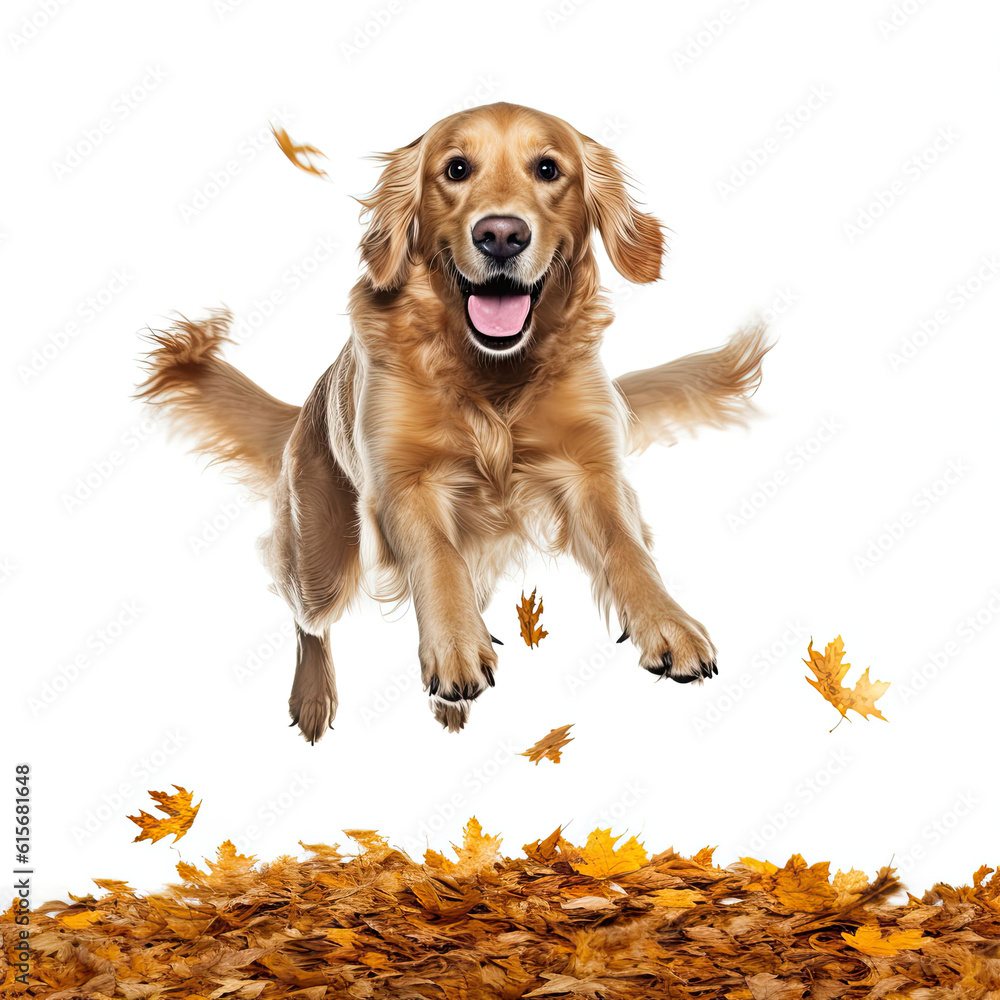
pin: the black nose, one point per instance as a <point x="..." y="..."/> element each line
<point x="501" y="236"/>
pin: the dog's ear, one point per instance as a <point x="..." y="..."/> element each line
<point x="387" y="245"/>
<point x="633" y="239"/>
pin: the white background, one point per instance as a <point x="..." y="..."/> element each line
<point x="746" y="762"/>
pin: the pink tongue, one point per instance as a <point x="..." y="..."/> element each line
<point x="499" y="315"/>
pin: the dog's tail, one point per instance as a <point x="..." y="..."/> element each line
<point x="711" y="389"/>
<point x="228" y="416"/>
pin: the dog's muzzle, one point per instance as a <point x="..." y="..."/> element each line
<point x="499" y="311"/>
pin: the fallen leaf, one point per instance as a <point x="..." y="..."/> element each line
<point x="830" y="670"/>
<point x="763" y="867"/>
<point x="180" y="816"/>
<point x="767" y="986"/>
<point x="477" y="851"/>
<point x="600" y="859"/>
<point x="797" y="886"/>
<point x="527" y="614"/>
<point x="82" y="919"/>
<point x="294" y="151"/>
<point x="869" y="941"/>
<point x="679" y="898"/>
<point x="602" y="920"/>
<point x="849" y="885"/>
<point x="589" y="903"/>
<point x="549" y="746"/>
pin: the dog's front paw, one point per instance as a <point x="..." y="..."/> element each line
<point x="313" y="712"/>
<point x="457" y="665"/>
<point x="673" y="645"/>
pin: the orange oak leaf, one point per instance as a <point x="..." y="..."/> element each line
<point x="180" y="816"/>
<point x="549" y="746"/>
<point x="830" y="670"/>
<point x="527" y="614"/>
<point x="600" y="859"/>
<point x="295" y="152"/>
<point x="869" y="941"/>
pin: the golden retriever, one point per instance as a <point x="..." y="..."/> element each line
<point x="469" y="415"/>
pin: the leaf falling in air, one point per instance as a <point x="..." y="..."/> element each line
<point x="549" y="746"/>
<point x="180" y="816"/>
<point x="295" y="152"/>
<point x="527" y="614"/>
<point x="830" y="670"/>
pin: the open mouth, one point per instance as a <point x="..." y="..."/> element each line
<point x="498" y="311"/>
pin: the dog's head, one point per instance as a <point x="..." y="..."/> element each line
<point x="497" y="199"/>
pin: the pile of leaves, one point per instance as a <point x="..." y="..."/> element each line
<point x="601" y="920"/>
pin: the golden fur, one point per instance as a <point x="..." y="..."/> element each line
<point x="422" y="464"/>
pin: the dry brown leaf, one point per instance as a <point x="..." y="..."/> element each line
<point x="767" y="986"/>
<point x="830" y="670"/>
<point x="527" y="614"/>
<point x="677" y="898"/>
<point x="600" y="920"/>
<point x="549" y="746"/>
<point x="180" y="816"/>
<point x="295" y="151"/>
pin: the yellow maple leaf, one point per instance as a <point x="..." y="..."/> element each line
<point x="527" y="614"/>
<point x="477" y="851"/>
<point x="230" y="861"/>
<point x="849" y="885"/>
<point x="295" y="152"/>
<point x="677" y="897"/>
<point x="798" y="886"/>
<point x="762" y="867"/>
<point x="374" y="847"/>
<point x="549" y="746"/>
<point x="830" y="670"/>
<point x="804" y="887"/>
<point x="80" y="921"/>
<point x="869" y="941"/>
<point x="600" y="859"/>
<point x="180" y="816"/>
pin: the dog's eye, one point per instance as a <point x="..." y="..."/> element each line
<point x="547" y="170"/>
<point x="457" y="169"/>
